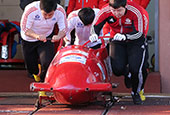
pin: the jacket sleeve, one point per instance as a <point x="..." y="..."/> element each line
<point x="71" y="6"/>
<point x="137" y="32"/>
<point x="97" y="27"/>
<point x="106" y="29"/>
<point x="71" y="25"/>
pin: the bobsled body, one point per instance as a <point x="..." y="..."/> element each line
<point x="76" y="75"/>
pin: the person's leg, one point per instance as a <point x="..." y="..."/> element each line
<point x="118" y="55"/>
<point x="137" y="59"/>
<point x="46" y="54"/>
<point x="30" y="57"/>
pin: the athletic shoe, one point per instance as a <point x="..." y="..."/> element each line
<point x="141" y="93"/>
<point x="136" y="99"/>
<point x="36" y="78"/>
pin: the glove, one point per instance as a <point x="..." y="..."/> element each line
<point x="93" y="38"/>
<point x="119" y="37"/>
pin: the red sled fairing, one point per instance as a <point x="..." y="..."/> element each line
<point x="76" y="75"/>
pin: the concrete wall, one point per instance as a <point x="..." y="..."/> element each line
<point x="151" y="45"/>
<point x="9" y="9"/>
<point x="164" y="44"/>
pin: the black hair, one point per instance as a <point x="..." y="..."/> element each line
<point x="48" y="5"/>
<point x="86" y="15"/>
<point x="118" y="3"/>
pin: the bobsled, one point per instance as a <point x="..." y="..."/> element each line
<point x="77" y="74"/>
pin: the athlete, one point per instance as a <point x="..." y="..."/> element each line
<point x="129" y="25"/>
<point x="37" y="24"/>
<point x="81" y="20"/>
<point x="143" y="3"/>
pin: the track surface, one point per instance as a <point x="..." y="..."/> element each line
<point x="24" y="105"/>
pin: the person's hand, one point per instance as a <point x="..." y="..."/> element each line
<point x="119" y="37"/>
<point x="55" y="38"/>
<point x="41" y="38"/>
<point x="93" y="38"/>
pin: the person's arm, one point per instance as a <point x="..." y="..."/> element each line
<point x="99" y="22"/>
<point x="62" y="25"/>
<point x="138" y="27"/>
<point x="27" y="22"/>
<point x="71" y="6"/>
<point x="106" y="29"/>
<point x="71" y="20"/>
<point x="32" y="34"/>
<point x="61" y="34"/>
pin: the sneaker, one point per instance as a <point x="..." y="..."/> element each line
<point x="127" y="81"/>
<point x="136" y="98"/>
<point x="141" y="93"/>
<point x="36" y="78"/>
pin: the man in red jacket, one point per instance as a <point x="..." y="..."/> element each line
<point x="129" y="23"/>
<point x="77" y="4"/>
<point x="143" y="3"/>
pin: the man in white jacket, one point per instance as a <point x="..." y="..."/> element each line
<point x="37" y="24"/>
<point x="81" y="20"/>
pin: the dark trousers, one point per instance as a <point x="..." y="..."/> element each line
<point x="132" y="54"/>
<point x="35" y="53"/>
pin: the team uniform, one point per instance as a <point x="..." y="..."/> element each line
<point x="33" y="48"/>
<point x="82" y="32"/>
<point x="77" y="4"/>
<point x="143" y="3"/>
<point x="133" y="51"/>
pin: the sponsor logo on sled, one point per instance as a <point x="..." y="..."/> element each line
<point x="73" y="58"/>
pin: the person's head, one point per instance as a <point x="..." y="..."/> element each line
<point x="47" y="8"/>
<point x="86" y="15"/>
<point x="118" y="7"/>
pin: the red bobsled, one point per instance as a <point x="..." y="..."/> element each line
<point x="77" y="75"/>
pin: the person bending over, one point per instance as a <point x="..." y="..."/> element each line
<point x="37" y="24"/>
<point x="129" y="25"/>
